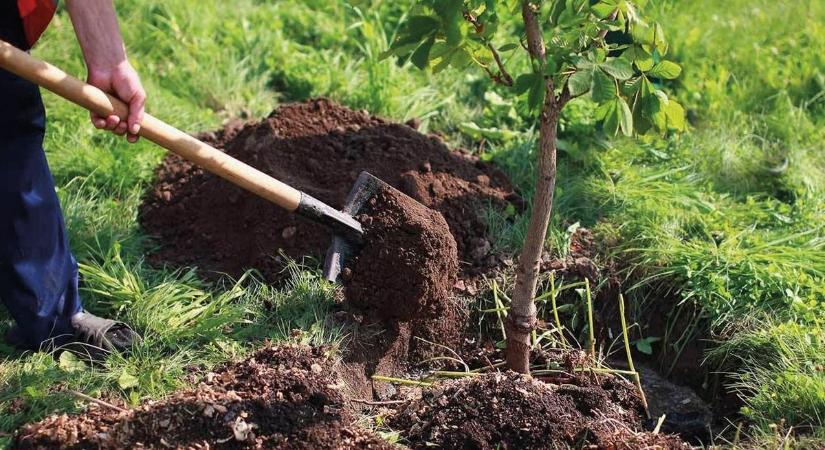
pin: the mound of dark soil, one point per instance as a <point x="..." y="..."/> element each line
<point x="280" y="397"/>
<point x="510" y="411"/>
<point x="318" y="147"/>
<point x="408" y="265"/>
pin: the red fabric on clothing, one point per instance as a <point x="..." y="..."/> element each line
<point x="36" y="15"/>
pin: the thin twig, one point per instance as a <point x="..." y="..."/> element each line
<point x="489" y="366"/>
<point x="591" y="333"/>
<point x="97" y="401"/>
<point x="503" y="77"/>
<point x="401" y="381"/>
<point x="507" y="79"/>
<point x="636" y="378"/>
<point x="377" y="403"/>
<point x="553" y="295"/>
<point x="659" y="424"/>
<point x="451" y="374"/>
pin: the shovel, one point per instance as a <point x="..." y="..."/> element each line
<point x="347" y="234"/>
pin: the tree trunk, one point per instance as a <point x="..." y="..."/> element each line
<point x="521" y="321"/>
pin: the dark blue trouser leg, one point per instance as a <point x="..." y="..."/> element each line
<point x="38" y="275"/>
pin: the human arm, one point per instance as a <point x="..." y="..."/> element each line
<point x="96" y="27"/>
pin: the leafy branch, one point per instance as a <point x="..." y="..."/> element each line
<point x="624" y="77"/>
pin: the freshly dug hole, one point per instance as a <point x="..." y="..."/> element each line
<point x="408" y="264"/>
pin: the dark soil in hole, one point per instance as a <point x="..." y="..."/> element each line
<point x="376" y="347"/>
<point x="408" y="264"/>
<point x="279" y="398"/>
<point x="676" y="396"/>
<point x="318" y="147"/>
<point x="509" y="411"/>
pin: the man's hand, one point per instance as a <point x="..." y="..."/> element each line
<point x="95" y="24"/>
<point x="122" y="82"/>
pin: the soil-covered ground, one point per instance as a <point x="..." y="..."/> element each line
<point x="318" y="147"/>
<point x="284" y="397"/>
<point x="297" y="397"/>
<point x="400" y="309"/>
<point x="510" y="411"/>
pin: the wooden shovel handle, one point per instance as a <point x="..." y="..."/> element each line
<point x="152" y="128"/>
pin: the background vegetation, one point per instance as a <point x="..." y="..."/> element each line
<point x="724" y="222"/>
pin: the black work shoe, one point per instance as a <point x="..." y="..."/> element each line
<point x="14" y="340"/>
<point x="102" y="335"/>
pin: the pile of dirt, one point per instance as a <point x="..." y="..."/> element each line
<point x="318" y="147"/>
<point x="511" y="411"/>
<point x="408" y="265"/>
<point x="281" y="397"/>
<point x="295" y="397"/>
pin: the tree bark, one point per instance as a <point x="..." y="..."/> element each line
<point x="521" y="321"/>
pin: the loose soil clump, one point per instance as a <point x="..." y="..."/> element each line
<point x="279" y="398"/>
<point x="318" y="147"/>
<point x="408" y="265"/>
<point x="510" y="411"/>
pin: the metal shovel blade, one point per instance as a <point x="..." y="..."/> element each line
<point x="342" y="247"/>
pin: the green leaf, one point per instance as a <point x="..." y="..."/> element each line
<point x="449" y="12"/>
<point x="626" y="117"/>
<point x="33" y="392"/>
<point x="523" y="83"/>
<point x="665" y="69"/>
<point x="618" y="68"/>
<point x="657" y="108"/>
<point x="536" y="95"/>
<point x="558" y="8"/>
<point x="675" y="116"/>
<point x="421" y="55"/>
<point x="649" y="101"/>
<point x="127" y="380"/>
<point x="604" y="9"/>
<point x="644" y="345"/>
<point x="550" y="66"/>
<point x="643" y="34"/>
<point x="68" y="362"/>
<point x="445" y="60"/>
<point x="508" y="47"/>
<point x="420" y="26"/>
<point x="580" y="82"/>
<point x="640" y="57"/>
<point x="659" y="42"/>
<point x="460" y="59"/>
<point x="510" y="210"/>
<point x="134" y="399"/>
<point x="610" y="116"/>
<point x="566" y="308"/>
<point x="640" y="90"/>
<point x="476" y="132"/>
<point x="604" y="88"/>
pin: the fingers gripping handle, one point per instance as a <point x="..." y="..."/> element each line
<point x="153" y="129"/>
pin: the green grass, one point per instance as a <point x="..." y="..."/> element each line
<point x="727" y="219"/>
<point x="724" y="223"/>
